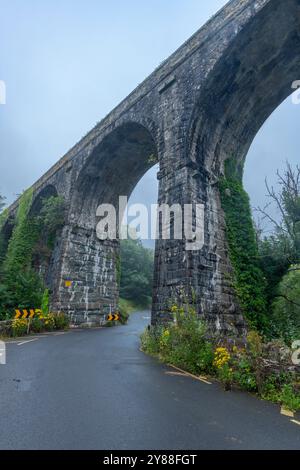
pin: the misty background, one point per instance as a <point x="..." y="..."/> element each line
<point x="68" y="63"/>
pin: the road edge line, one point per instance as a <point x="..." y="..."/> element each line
<point x="200" y="378"/>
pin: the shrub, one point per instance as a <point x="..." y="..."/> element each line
<point x="45" y="302"/>
<point x="49" y="322"/>
<point x="206" y="357"/>
<point x="150" y="340"/>
<point x="286" y="307"/>
<point x="255" y="343"/>
<point x="61" y="321"/>
<point x="37" y="325"/>
<point x="279" y="389"/>
<point x="123" y="314"/>
<point x="181" y="343"/>
<point x="289" y="398"/>
<point x="222" y="365"/>
<point x="185" y="343"/>
<point x="19" y="327"/>
<point x="221" y="357"/>
<point x="244" y="376"/>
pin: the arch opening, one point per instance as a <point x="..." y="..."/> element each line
<point x="44" y="194"/>
<point x="114" y="169"/>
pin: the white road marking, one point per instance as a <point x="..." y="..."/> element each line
<point x="286" y="412"/>
<point x="27" y="341"/>
<point x="295" y="421"/>
<point x="202" y="379"/>
<point x="181" y="374"/>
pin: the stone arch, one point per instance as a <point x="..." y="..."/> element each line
<point x="37" y="202"/>
<point x="47" y="255"/>
<point x="122" y="158"/>
<point x="252" y="78"/>
<point x="113" y="169"/>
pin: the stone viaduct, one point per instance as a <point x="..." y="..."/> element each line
<point x="199" y="107"/>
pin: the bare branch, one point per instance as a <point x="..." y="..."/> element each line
<point x="287" y="299"/>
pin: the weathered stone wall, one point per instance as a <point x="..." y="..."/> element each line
<point x="203" y="104"/>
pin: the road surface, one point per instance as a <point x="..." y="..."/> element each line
<point x="96" y="390"/>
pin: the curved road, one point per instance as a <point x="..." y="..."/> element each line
<point x="95" y="390"/>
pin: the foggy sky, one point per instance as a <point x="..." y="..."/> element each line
<point x="67" y="63"/>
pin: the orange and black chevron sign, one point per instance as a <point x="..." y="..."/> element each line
<point x="113" y="317"/>
<point x="27" y="313"/>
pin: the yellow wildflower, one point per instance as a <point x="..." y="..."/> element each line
<point x="221" y="358"/>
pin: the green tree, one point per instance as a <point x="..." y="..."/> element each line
<point x="280" y="253"/>
<point x="32" y="240"/>
<point x="285" y="242"/>
<point x="136" y="272"/>
<point x="275" y="260"/>
<point x="286" y="306"/>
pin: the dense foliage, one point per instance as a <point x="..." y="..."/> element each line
<point x="38" y="324"/>
<point x="280" y="255"/>
<point x="248" y="278"/>
<point x="286" y="306"/>
<point x="21" y="286"/>
<point x="263" y="278"/>
<point x="184" y="343"/>
<point x="136" y="272"/>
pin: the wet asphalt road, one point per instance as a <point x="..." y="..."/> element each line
<point x="95" y="390"/>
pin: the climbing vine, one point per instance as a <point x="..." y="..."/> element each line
<point x="32" y="240"/>
<point x="22" y="285"/>
<point x="23" y="238"/>
<point x="248" y="279"/>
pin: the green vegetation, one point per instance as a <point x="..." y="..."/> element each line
<point x="185" y="343"/>
<point x="280" y="256"/>
<point x="248" y="279"/>
<point x="266" y="279"/>
<point x="33" y="235"/>
<point x="182" y="343"/>
<point x="129" y="306"/>
<point x="45" y="302"/>
<point x="136" y="273"/>
<point x="265" y="273"/>
<point x="286" y="306"/>
<point x="51" y="219"/>
<point x="38" y="324"/>
<point x="134" y="267"/>
<point x="20" y="285"/>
